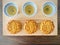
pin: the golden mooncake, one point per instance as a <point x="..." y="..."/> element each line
<point x="14" y="26"/>
<point x="30" y="26"/>
<point x="46" y="26"/>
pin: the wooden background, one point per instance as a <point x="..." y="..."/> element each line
<point x="39" y="39"/>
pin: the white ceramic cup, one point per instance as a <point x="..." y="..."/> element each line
<point x="29" y="3"/>
<point x="53" y="8"/>
<point x="7" y="5"/>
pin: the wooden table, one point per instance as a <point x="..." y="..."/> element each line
<point x="40" y="39"/>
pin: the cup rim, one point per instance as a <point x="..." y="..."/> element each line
<point x="52" y="14"/>
<point x="5" y="10"/>
<point x="33" y="6"/>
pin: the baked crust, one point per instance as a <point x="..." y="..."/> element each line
<point x="46" y="26"/>
<point x="14" y="26"/>
<point x="30" y="26"/>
